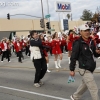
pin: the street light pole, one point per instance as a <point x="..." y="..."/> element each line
<point x="59" y="22"/>
<point x="48" y="9"/>
<point x="43" y="15"/>
<point x="48" y="14"/>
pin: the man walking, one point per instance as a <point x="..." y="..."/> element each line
<point x="83" y="50"/>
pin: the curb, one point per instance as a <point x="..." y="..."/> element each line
<point x="52" y="69"/>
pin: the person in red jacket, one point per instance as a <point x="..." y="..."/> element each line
<point x="63" y="43"/>
<point x="49" y="38"/>
<point x="0" y="49"/>
<point x="56" y="50"/>
<point x="45" y="43"/>
<point x="18" y="48"/>
<point x="70" y="40"/>
<point x="5" y="50"/>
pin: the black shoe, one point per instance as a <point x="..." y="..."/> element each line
<point x="23" y="57"/>
<point x="20" y="62"/>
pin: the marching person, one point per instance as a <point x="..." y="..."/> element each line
<point x="56" y="50"/>
<point x="63" y="43"/>
<point x="83" y="50"/>
<point x="70" y="39"/>
<point x="49" y="38"/>
<point x="18" y="49"/>
<point x="38" y="58"/>
<point x="45" y="43"/>
<point x="0" y="48"/>
<point x="5" y="50"/>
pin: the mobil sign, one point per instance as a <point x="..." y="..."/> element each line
<point x="63" y="7"/>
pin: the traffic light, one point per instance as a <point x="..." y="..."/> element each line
<point x="41" y="23"/>
<point x="48" y="25"/>
<point x="8" y="16"/>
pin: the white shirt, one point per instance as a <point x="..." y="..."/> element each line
<point x="99" y="38"/>
<point x="5" y="46"/>
<point x="18" y="44"/>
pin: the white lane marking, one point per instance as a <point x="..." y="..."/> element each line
<point x="30" y="92"/>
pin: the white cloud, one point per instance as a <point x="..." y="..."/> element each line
<point x="33" y="7"/>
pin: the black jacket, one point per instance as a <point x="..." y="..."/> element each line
<point x="38" y="43"/>
<point x="83" y="52"/>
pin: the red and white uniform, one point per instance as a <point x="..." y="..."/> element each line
<point x="70" y="42"/>
<point x="0" y="48"/>
<point x="4" y="46"/>
<point x="0" y="45"/>
<point x="18" y="46"/>
<point x="45" y="43"/>
<point x="96" y="39"/>
<point x="63" y="42"/>
<point x="56" y="46"/>
<point x="23" y="43"/>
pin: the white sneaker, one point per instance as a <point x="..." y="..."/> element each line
<point x="48" y="71"/>
<point x="59" y="63"/>
<point x="72" y="97"/>
<point x="37" y="85"/>
<point x="57" y="67"/>
<point x="9" y="61"/>
<point x="1" y="61"/>
<point x="98" y="57"/>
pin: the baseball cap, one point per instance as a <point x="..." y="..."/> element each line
<point x="84" y="27"/>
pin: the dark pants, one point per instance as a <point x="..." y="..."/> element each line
<point x="27" y="51"/>
<point x="19" y="56"/>
<point x="66" y="48"/>
<point x="41" y="68"/>
<point x="62" y="47"/>
<point x="13" y="48"/>
<point x="0" y="51"/>
<point x="51" y="51"/>
<point x="5" y="54"/>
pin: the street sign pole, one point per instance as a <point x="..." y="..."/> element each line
<point x="48" y="13"/>
<point x="43" y="15"/>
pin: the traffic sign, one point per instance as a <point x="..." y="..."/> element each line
<point x="47" y="16"/>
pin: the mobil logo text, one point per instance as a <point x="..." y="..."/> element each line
<point x="63" y="6"/>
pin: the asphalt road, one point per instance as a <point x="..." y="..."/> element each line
<point x="16" y="81"/>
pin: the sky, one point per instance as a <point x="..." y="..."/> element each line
<point x="33" y="7"/>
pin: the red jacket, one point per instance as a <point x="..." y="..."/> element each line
<point x="56" y="47"/>
<point x="63" y="42"/>
<point x="18" y="46"/>
<point x="3" y="47"/>
<point x="0" y="45"/>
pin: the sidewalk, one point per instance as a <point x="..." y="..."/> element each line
<point x="27" y="63"/>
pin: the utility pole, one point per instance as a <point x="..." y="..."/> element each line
<point x="59" y="22"/>
<point x="48" y="9"/>
<point x="48" y="14"/>
<point x="71" y="17"/>
<point x="43" y="14"/>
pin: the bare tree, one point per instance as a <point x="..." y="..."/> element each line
<point x="98" y="10"/>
